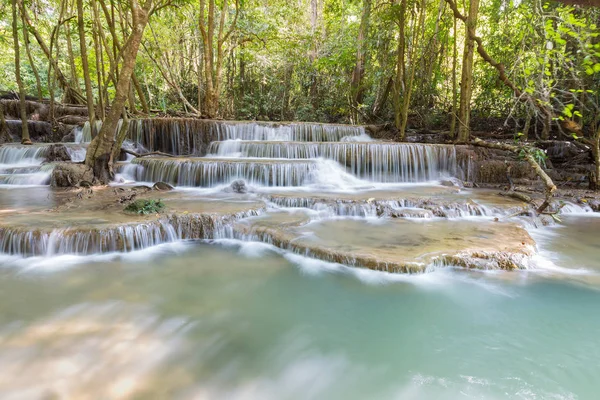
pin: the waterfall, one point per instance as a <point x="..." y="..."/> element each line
<point x="207" y="172"/>
<point x="22" y="155"/>
<point x="27" y="242"/>
<point x="84" y="135"/>
<point x="21" y="165"/>
<point x="77" y="153"/>
<point x="379" y="162"/>
<point x="182" y="136"/>
<point x="302" y="132"/>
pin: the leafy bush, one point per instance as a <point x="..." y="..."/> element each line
<point x="151" y="206"/>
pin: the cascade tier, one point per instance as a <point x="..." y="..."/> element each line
<point x="24" y="165"/>
<point x="377" y="161"/>
<point x="207" y="172"/>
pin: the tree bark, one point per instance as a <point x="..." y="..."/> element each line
<point x="22" y="105"/>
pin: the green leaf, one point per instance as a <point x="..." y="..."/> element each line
<point x="568" y="113"/>
<point x="597" y="67"/>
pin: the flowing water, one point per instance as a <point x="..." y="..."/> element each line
<point x="96" y="306"/>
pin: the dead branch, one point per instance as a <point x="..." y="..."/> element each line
<point x="550" y="186"/>
<point x="153" y="153"/>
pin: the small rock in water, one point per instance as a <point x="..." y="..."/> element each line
<point x="452" y="182"/>
<point x="162" y="187"/>
<point x="141" y="188"/>
<point x="239" y="186"/>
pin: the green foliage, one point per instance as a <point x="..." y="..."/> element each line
<point x="295" y="60"/>
<point x="146" y="206"/>
<point x="538" y="155"/>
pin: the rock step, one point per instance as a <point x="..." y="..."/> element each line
<point x="400" y="245"/>
<point x="92" y="227"/>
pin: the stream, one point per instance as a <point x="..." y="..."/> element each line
<point x="299" y="299"/>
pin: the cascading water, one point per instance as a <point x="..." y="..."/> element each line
<point x="84" y="135"/>
<point x="180" y="136"/>
<point x="22" y="155"/>
<point x="20" y="241"/>
<point x="379" y="162"/>
<point x="319" y="232"/>
<point x="21" y="165"/>
<point x="206" y="172"/>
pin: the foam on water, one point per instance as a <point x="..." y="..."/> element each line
<point x="58" y="262"/>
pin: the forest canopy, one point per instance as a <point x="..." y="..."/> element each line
<point x="436" y="64"/>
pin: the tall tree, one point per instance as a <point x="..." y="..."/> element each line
<point x="357" y="89"/>
<point x="100" y="153"/>
<point x="89" y="94"/>
<point x="466" y="81"/>
<point x="22" y="101"/>
<point x="213" y="48"/>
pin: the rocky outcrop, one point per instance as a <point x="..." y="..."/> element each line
<point x="490" y="253"/>
<point x="70" y="175"/>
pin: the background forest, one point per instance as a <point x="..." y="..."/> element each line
<point x="532" y="64"/>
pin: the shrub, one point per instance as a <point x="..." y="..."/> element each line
<point x="151" y="206"/>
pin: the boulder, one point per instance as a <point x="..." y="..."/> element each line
<point x="452" y="182"/>
<point x="162" y="187"/>
<point x="57" y="153"/>
<point x="70" y="175"/>
<point x="238" y="186"/>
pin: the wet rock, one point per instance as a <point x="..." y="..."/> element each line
<point x="452" y="182"/>
<point x="141" y="188"/>
<point x="594" y="204"/>
<point x="69" y="137"/>
<point x="238" y="186"/>
<point x="69" y="175"/>
<point x="57" y="153"/>
<point x="162" y="187"/>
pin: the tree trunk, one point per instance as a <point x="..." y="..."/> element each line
<point x="38" y="81"/>
<point x="89" y="94"/>
<point x="466" y="81"/>
<point x="357" y="89"/>
<point x="22" y="105"/>
<point x="213" y="51"/>
<point x="399" y="83"/>
<point x="406" y="71"/>
<point x="96" y="29"/>
<point x="454" y="91"/>
<point x="99" y="154"/>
